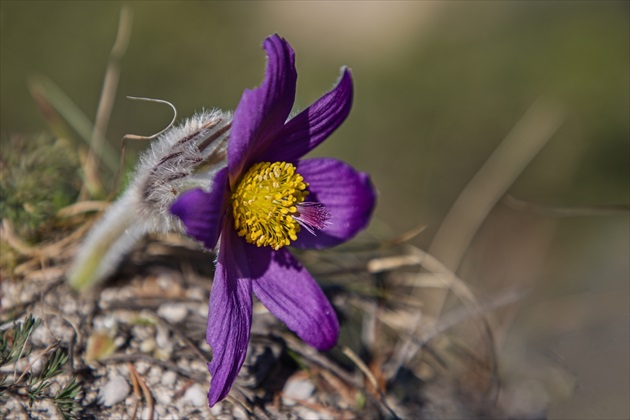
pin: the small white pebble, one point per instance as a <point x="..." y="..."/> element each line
<point x="163" y="400"/>
<point x="154" y="375"/>
<point x="297" y="389"/>
<point x="239" y="413"/>
<point x="142" y="367"/>
<point x="173" y="312"/>
<point x="41" y="336"/>
<point x="15" y="408"/>
<point x="114" y="391"/>
<point x="25" y="296"/>
<point x="37" y="363"/>
<point x="119" y="341"/>
<point x="197" y="293"/>
<point x="147" y="345"/>
<point x="169" y="378"/>
<point x="70" y="306"/>
<point x="109" y="322"/>
<point x="163" y="354"/>
<point x="203" y="311"/>
<point x="307" y="414"/>
<point x="165" y="282"/>
<point x="216" y="409"/>
<point x="163" y="338"/>
<point x="196" y="396"/>
<point x="198" y="366"/>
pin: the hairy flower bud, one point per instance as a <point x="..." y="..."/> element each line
<point x="184" y="157"/>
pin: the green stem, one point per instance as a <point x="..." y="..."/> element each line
<point x="106" y="244"/>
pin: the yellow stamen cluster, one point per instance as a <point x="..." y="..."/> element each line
<point x="264" y="202"/>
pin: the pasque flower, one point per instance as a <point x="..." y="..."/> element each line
<point x="267" y="198"/>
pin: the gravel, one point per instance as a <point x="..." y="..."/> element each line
<point x="114" y="391"/>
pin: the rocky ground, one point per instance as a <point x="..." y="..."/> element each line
<point x="136" y="347"/>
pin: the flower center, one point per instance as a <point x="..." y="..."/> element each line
<point x="265" y="204"/>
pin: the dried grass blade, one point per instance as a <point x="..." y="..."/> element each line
<point x="489" y="184"/>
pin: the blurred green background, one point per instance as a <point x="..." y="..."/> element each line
<point x="438" y="85"/>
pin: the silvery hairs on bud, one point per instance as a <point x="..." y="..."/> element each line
<point x="184" y="157"/>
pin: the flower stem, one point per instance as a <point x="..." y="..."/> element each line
<point x="106" y="244"/>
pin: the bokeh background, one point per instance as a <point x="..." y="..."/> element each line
<point x="438" y="86"/>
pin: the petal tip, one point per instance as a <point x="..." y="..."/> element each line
<point x="346" y="73"/>
<point x="328" y="342"/>
<point x="329" y="333"/>
<point x="274" y="43"/>
<point x="212" y="399"/>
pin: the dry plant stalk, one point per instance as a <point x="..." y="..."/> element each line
<point x="486" y="188"/>
<point x="107" y="97"/>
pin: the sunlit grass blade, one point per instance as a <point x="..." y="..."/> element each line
<point x="62" y="104"/>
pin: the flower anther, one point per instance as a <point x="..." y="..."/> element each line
<point x="265" y="204"/>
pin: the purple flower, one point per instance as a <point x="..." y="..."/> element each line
<point x="268" y="198"/>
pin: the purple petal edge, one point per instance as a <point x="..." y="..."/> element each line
<point x="348" y="195"/>
<point x="202" y="212"/>
<point x="313" y="125"/>
<point x="262" y="112"/>
<point x="229" y="320"/>
<point x="294" y="297"/>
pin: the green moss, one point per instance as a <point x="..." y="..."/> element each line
<point x="38" y="176"/>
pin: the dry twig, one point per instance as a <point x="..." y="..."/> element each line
<point x="145" y="390"/>
<point x="108" y="94"/>
<point x="486" y="188"/>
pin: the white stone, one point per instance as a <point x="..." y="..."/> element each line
<point x="163" y="397"/>
<point x="297" y="389"/>
<point x="163" y="338"/>
<point x="37" y="363"/>
<point x="205" y="347"/>
<point x="307" y="414"/>
<point x="119" y="341"/>
<point x="148" y="345"/>
<point x="196" y="396"/>
<point x="164" y="281"/>
<point x="173" y="312"/>
<point x="41" y="336"/>
<point x="196" y="293"/>
<point x="163" y="354"/>
<point x="216" y="409"/>
<point x="109" y="322"/>
<point x="203" y="311"/>
<point x="160" y="409"/>
<point x="169" y="378"/>
<point x="114" y="391"/>
<point x="239" y="413"/>
<point x="142" y="367"/>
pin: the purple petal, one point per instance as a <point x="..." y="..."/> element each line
<point x="313" y="125"/>
<point x="294" y="297"/>
<point x="346" y="194"/>
<point x="262" y="112"/>
<point x="202" y="212"/>
<point x="230" y="315"/>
